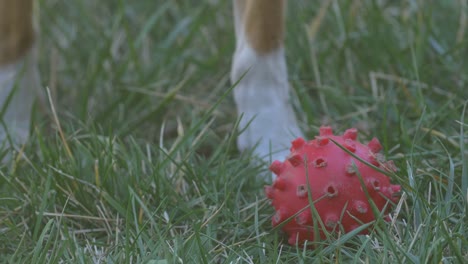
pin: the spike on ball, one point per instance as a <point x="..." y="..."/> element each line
<point x="350" y="134"/>
<point x="277" y="167"/>
<point x="295" y="160"/>
<point x="321" y="141"/>
<point x="297" y="144"/>
<point x="350" y="145"/>
<point x="326" y="131"/>
<point x="331" y="221"/>
<point x="374" y="145"/>
<point x="320" y="162"/>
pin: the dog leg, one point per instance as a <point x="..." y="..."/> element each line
<point x="262" y="94"/>
<point x="18" y="73"/>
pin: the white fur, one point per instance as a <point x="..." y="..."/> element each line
<point x="262" y="98"/>
<point x="20" y="79"/>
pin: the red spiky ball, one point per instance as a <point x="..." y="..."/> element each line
<point x="335" y="187"/>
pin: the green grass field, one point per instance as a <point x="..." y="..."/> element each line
<point x="146" y="169"/>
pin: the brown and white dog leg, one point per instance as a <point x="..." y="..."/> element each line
<point x="262" y="94"/>
<point x="18" y="72"/>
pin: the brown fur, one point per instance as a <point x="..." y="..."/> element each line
<point x="264" y="24"/>
<point x="16" y="29"/>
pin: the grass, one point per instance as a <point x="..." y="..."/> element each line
<point x="147" y="170"/>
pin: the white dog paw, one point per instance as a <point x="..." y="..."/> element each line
<point x="18" y="84"/>
<point x="268" y="121"/>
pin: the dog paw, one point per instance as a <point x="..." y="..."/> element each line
<point x="268" y="122"/>
<point x="18" y="84"/>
